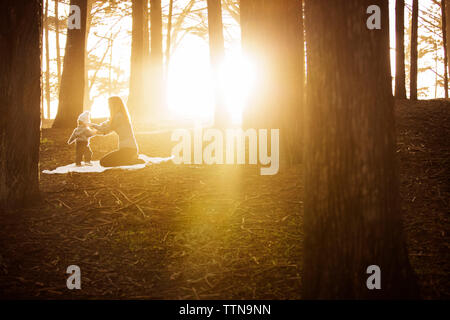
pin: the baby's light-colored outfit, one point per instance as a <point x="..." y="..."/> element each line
<point x="81" y="136"/>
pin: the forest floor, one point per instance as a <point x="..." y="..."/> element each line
<point x="205" y="232"/>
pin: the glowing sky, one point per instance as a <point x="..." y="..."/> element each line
<point x="189" y="89"/>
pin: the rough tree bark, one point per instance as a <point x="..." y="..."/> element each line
<point x="217" y="54"/>
<point x="445" y="39"/>
<point x="272" y="39"/>
<point x="447" y="22"/>
<point x="71" y="92"/>
<point x="20" y="40"/>
<point x="301" y="42"/>
<point x="413" y="63"/>
<point x="295" y="81"/>
<point x="400" y="87"/>
<point x="352" y="213"/>
<point x="42" y="72"/>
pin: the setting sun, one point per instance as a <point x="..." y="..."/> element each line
<point x="190" y="91"/>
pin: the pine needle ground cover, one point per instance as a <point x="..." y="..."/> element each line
<point x="205" y="232"/>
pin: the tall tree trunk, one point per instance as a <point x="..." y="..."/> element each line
<point x="272" y="39"/>
<point x="445" y="38"/>
<point x="400" y="87"/>
<point x="156" y="31"/>
<point x="87" y="98"/>
<point x="42" y="55"/>
<point x="156" y="59"/>
<point x="217" y="53"/>
<point x="254" y="27"/>
<point x="58" y="47"/>
<point x="71" y="92"/>
<point x="168" y="39"/>
<point x="136" y="100"/>
<point x="20" y="72"/>
<point x="47" y="63"/>
<point x="301" y="43"/>
<point x="146" y="34"/>
<point x="408" y="32"/>
<point x="42" y="72"/>
<point x="414" y="30"/>
<point x="146" y="50"/>
<point x="352" y="213"/>
<point x="447" y="22"/>
<point x="294" y="82"/>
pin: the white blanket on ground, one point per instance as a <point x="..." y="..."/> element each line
<point x="96" y="167"/>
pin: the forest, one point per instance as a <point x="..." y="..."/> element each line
<point x="224" y="149"/>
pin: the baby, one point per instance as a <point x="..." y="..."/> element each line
<point x="81" y="136"/>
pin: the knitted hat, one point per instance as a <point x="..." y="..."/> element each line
<point x="85" y="117"/>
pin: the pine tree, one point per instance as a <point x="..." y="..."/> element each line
<point x="58" y="48"/>
<point x="71" y="92"/>
<point x="414" y="30"/>
<point x="352" y="213"/>
<point x="156" y="59"/>
<point x="47" y="61"/>
<point x="20" y="74"/>
<point x="447" y="20"/>
<point x="400" y="91"/>
<point x="445" y="45"/>
<point x="137" y="102"/>
<point x="217" y="53"/>
<point x="272" y="39"/>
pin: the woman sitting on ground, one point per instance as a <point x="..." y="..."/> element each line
<point x="120" y="123"/>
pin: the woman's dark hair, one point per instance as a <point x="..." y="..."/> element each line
<point x="116" y="106"/>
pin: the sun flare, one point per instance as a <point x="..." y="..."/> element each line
<point x="190" y="93"/>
